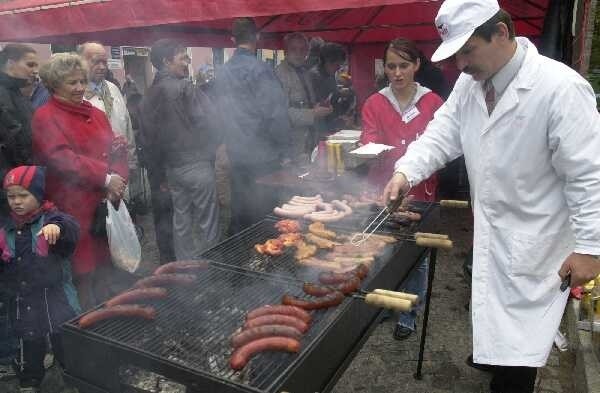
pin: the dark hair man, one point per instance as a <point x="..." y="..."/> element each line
<point x="180" y="138"/>
<point x="530" y="133"/>
<point x="257" y="127"/>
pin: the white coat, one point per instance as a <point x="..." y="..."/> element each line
<point x="534" y="170"/>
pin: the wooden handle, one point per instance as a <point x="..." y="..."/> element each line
<point x="434" y="243"/>
<point x="388" y="302"/>
<point x="431" y="235"/>
<point x="398" y="295"/>
<point x="454" y="204"/>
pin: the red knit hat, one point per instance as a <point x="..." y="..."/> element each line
<point x="31" y="178"/>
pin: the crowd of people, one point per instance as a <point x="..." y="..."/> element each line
<point x="72" y="141"/>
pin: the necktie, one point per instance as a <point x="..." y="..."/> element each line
<point x="490" y="96"/>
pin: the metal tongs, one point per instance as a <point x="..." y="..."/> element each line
<point x="360" y="238"/>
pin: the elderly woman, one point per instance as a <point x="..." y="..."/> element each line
<point x="85" y="163"/>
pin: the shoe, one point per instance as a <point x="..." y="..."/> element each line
<point x="478" y="366"/>
<point x="402" y="332"/>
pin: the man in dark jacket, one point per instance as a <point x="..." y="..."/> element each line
<point x="257" y="127"/>
<point x="180" y="140"/>
<point x="19" y="67"/>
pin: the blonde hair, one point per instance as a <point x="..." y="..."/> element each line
<point x="59" y="67"/>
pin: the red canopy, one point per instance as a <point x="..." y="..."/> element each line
<point x="207" y="22"/>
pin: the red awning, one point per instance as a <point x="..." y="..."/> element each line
<point x="207" y="22"/>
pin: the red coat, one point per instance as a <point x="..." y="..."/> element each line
<point x="383" y="124"/>
<point x="74" y="143"/>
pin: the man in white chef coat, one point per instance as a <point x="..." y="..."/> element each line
<point x="530" y="133"/>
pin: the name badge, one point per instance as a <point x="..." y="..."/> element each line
<point x="411" y="114"/>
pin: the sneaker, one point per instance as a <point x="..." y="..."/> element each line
<point x="478" y="366"/>
<point x="402" y="332"/>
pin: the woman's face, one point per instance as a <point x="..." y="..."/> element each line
<point x="399" y="71"/>
<point x="26" y="67"/>
<point x="71" y="89"/>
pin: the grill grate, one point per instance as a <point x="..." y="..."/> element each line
<point x="193" y="325"/>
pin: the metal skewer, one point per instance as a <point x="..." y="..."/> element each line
<point x="360" y="238"/>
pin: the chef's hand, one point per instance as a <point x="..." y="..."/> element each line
<point x="583" y="268"/>
<point x="51" y="233"/>
<point x="116" y="185"/>
<point x="398" y="183"/>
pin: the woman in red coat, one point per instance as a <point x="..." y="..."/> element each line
<point x="85" y="164"/>
<point x="396" y="116"/>
<point x="399" y="113"/>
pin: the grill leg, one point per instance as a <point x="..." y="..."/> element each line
<point x="432" y="261"/>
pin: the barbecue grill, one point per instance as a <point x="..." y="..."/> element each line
<point x="189" y="340"/>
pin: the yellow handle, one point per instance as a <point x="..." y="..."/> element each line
<point x="388" y="302"/>
<point x="431" y="235"/>
<point x="398" y="295"/>
<point x="454" y="204"/>
<point x="434" y="243"/>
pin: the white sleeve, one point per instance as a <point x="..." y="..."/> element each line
<point x="574" y="139"/>
<point x="439" y="144"/>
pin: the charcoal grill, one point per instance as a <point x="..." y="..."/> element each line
<point x="189" y="341"/>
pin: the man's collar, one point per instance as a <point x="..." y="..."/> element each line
<point x="502" y="78"/>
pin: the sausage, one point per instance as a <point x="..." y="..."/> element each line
<point x="282" y="310"/>
<point x="165" y="280"/>
<point x="256" y="333"/>
<point x="277" y="319"/>
<point x="314" y="199"/>
<point x="181" y="266"/>
<point x="304" y="208"/>
<point x="343" y="206"/>
<point x="319" y="241"/>
<point x="361" y="271"/>
<point x="316" y="290"/>
<point x="329" y="278"/>
<point x="135" y="295"/>
<point x="349" y="286"/>
<point x="331" y="300"/>
<point x="289" y="213"/>
<point x="242" y="355"/>
<point x="325" y="216"/>
<point x="129" y="311"/>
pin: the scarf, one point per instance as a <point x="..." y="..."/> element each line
<point x="104" y="95"/>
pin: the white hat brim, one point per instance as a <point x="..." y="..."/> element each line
<point x="450" y="47"/>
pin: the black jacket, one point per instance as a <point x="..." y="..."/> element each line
<point x="254" y="108"/>
<point x="15" y="124"/>
<point x="177" y="124"/>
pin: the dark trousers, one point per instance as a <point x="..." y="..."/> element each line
<point x="250" y="202"/>
<point x="513" y="379"/>
<point x="162" y="212"/>
<point x="30" y="366"/>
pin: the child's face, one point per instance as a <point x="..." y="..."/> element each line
<point x="21" y="201"/>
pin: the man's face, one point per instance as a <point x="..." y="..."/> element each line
<point x="296" y="52"/>
<point x="479" y="58"/>
<point x="179" y="66"/>
<point x="97" y="61"/>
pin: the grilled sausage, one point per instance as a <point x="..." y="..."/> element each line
<point x="242" y="355"/>
<point x="316" y="290"/>
<point x="361" y="271"/>
<point x="343" y="206"/>
<point x="330" y="278"/>
<point x="165" y="280"/>
<point x="290" y="213"/>
<point x="181" y="266"/>
<point x="135" y="295"/>
<point x="331" y="300"/>
<point x="282" y="310"/>
<point x="256" y="333"/>
<point x="349" y="286"/>
<point x="129" y="311"/>
<point x="277" y="319"/>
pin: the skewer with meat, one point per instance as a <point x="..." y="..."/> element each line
<point x="242" y="355"/>
<point x="287" y="226"/>
<point x="320" y="242"/>
<point x="273" y="247"/>
<point x="126" y="311"/>
<point x="318" y="229"/>
<point x="304" y="250"/>
<point x="290" y="239"/>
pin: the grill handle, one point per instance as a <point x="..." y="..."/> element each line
<point x="388" y="302"/>
<point x="434" y="243"/>
<point x="413" y="299"/>
<point x="454" y="204"/>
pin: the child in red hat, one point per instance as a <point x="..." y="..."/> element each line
<point x="35" y="244"/>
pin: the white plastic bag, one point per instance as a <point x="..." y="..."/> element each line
<point x="123" y="242"/>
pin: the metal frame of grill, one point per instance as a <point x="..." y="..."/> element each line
<point x="327" y="349"/>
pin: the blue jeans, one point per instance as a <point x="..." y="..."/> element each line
<point x="416" y="283"/>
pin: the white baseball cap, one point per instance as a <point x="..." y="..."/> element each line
<point x="457" y="20"/>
